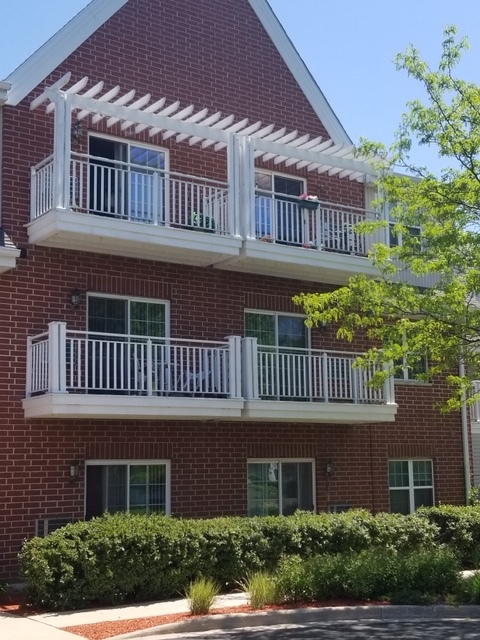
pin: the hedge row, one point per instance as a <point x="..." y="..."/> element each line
<point x="458" y="528"/>
<point x="421" y="576"/>
<point x="112" y="558"/>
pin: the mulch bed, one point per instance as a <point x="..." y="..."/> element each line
<point x="16" y="602"/>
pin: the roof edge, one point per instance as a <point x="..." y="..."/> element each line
<point x="300" y="71"/>
<point x="55" y="50"/>
<point x="4" y="89"/>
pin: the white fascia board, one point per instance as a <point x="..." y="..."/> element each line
<point x="4" y="89"/>
<point x="51" y="54"/>
<point x="300" y="71"/>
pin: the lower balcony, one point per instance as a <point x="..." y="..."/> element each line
<point x="119" y="208"/>
<point x="75" y="374"/>
<point x="305" y="385"/>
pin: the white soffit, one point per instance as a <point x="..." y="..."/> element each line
<point x="51" y="54"/>
<point x="300" y="72"/>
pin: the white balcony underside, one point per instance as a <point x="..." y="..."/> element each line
<point x="98" y="234"/>
<point x="316" y="412"/>
<point x="298" y="263"/>
<point x="65" y="405"/>
<point x="8" y="258"/>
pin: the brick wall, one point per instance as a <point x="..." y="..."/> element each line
<point x="231" y="66"/>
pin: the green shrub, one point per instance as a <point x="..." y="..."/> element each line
<point x="124" y="556"/>
<point x="371" y="574"/>
<point x="458" y="528"/>
<point x="201" y="595"/>
<point x="469" y="590"/>
<point x="261" y="589"/>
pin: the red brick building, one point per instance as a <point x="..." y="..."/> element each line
<point x="153" y="159"/>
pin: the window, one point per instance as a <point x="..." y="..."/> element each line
<point x="284" y="362"/>
<point x="138" y="487"/>
<point x="277" y="216"/>
<point x="135" y="317"/>
<point x="118" y="349"/>
<point x="395" y="239"/>
<point x="275" y="329"/>
<point x="410" y="485"/>
<point x="126" y="180"/>
<point x="411" y="371"/>
<point x="279" y="487"/>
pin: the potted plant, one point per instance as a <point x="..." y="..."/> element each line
<point x="199" y="222"/>
<point x="308" y="202"/>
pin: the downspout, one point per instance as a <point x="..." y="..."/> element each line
<point x="466" y="448"/>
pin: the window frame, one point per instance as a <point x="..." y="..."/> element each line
<point x="276" y="314"/>
<point x="411" y="487"/>
<point x="280" y="462"/>
<point x="127" y="165"/>
<point x="128" y="464"/>
<point x="408" y="375"/>
<point x="129" y="299"/>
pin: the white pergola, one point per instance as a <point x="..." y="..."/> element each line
<point x="196" y="127"/>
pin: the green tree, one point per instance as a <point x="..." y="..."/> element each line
<point x="438" y="220"/>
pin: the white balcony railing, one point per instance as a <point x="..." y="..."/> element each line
<point x="134" y="193"/>
<point x="62" y="361"/>
<point x="328" y="227"/>
<point x="310" y="375"/>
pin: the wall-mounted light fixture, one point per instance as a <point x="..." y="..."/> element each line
<point x="323" y="326"/>
<point x="75" y="298"/>
<point x="74" y="470"/>
<point x="328" y="468"/>
<point x="77" y="133"/>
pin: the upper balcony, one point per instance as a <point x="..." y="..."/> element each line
<point x="119" y="196"/>
<point x="78" y="374"/>
<point x="129" y="209"/>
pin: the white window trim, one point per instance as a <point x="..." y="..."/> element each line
<point x="131" y="142"/>
<point x="280" y="313"/>
<point x="279" y="461"/>
<point x="411" y="488"/>
<point x="110" y="463"/>
<point x="113" y="296"/>
<point x="279" y="174"/>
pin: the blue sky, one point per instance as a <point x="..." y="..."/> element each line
<point x="348" y="46"/>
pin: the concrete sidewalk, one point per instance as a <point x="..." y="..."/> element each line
<point x="48" y="626"/>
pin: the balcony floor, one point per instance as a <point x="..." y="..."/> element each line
<point x="74" y="405"/>
<point x="299" y="263"/>
<point x="99" y="234"/>
<point x="90" y="406"/>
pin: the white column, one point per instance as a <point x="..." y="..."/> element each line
<point x="59" y="150"/>
<point x="248" y="189"/>
<point x="325" y="377"/>
<point x="234" y="367"/>
<point x="250" y="368"/>
<point x="57" y="333"/>
<point x="149" y="372"/>
<point x="233" y="177"/>
<point x="28" y="389"/>
<point x="388" y="386"/>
